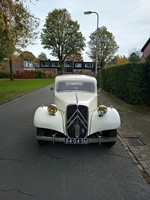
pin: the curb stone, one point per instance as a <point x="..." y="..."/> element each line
<point x="141" y="164"/>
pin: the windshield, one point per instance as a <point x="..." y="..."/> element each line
<point x="75" y="85"/>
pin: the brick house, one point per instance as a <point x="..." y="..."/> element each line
<point x="19" y="65"/>
<point x="146" y="49"/>
<point x="72" y="67"/>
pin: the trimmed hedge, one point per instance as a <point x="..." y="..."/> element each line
<point x="148" y="78"/>
<point x="129" y="82"/>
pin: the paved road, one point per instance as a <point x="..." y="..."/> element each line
<point x="60" y="172"/>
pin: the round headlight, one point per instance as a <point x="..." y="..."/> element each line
<point x="52" y="109"/>
<point x="102" y="110"/>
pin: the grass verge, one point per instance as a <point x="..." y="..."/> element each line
<point x="11" y="89"/>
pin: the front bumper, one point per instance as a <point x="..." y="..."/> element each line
<point x="98" y="139"/>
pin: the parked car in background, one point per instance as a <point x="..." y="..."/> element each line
<point x="75" y="116"/>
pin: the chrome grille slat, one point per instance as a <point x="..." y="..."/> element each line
<point x="71" y="122"/>
<point x="82" y="122"/>
<point x="71" y="117"/>
<point x="83" y="118"/>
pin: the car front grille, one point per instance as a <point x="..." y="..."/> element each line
<point x="77" y="121"/>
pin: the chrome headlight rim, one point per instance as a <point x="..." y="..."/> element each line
<point x="52" y="109"/>
<point x="102" y="110"/>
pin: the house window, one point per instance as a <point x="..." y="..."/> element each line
<point x="78" y="65"/>
<point x="44" y="64"/>
<point x="88" y="65"/>
<point x="55" y="64"/>
<point x="67" y="64"/>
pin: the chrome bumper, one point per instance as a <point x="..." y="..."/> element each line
<point x="98" y="140"/>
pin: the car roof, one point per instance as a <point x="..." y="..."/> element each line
<point x="74" y="77"/>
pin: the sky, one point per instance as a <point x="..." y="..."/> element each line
<point x="127" y="20"/>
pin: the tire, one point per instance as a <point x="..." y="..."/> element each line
<point x="109" y="134"/>
<point x="41" y="132"/>
<point x="41" y="142"/>
<point x="110" y="144"/>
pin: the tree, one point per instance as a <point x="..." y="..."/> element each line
<point x="75" y="57"/>
<point x="118" y="60"/>
<point x="42" y="56"/>
<point x="17" y="28"/>
<point x="2" y="57"/>
<point x="61" y="35"/>
<point x="134" y="57"/>
<point x="27" y="56"/>
<point x="107" y="46"/>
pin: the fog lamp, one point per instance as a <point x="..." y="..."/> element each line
<point x="102" y="110"/>
<point x="52" y="109"/>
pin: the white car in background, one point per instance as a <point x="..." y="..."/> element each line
<point x="75" y="117"/>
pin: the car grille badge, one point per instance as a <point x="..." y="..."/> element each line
<point x="77" y="130"/>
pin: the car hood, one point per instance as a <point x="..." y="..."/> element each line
<point x="80" y="98"/>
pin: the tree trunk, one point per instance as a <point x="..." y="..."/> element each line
<point x="11" y="70"/>
<point x="62" y="67"/>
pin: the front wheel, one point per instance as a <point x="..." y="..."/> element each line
<point x="41" y="142"/>
<point x="41" y="132"/>
<point x="110" y="144"/>
<point x="110" y="134"/>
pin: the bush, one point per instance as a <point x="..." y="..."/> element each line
<point x="49" y="74"/>
<point x="38" y="74"/>
<point x="128" y="81"/>
<point x="4" y="74"/>
<point x="20" y="74"/>
<point x="24" y="74"/>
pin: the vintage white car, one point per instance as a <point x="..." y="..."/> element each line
<point x="75" y="117"/>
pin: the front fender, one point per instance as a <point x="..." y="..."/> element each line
<point x="42" y="119"/>
<point x="111" y="120"/>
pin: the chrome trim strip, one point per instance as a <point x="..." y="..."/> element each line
<point x="91" y="140"/>
<point x="77" y="98"/>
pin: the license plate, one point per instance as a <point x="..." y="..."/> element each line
<point x="76" y="141"/>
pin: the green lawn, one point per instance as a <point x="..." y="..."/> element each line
<point x="11" y="89"/>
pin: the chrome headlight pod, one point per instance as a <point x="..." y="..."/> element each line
<point x="52" y="109"/>
<point x="102" y="110"/>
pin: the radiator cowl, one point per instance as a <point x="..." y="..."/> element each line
<point x="77" y="121"/>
